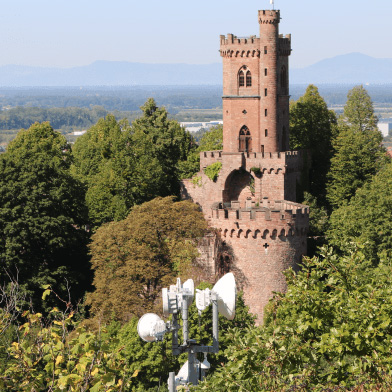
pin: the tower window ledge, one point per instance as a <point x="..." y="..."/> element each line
<point x="241" y="96"/>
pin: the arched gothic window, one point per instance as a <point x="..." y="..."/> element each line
<point x="241" y="78"/>
<point x="245" y="140"/>
<point x="248" y="79"/>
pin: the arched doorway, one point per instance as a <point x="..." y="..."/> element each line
<point x="239" y="186"/>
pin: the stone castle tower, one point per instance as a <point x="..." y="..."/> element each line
<point x="252" y="203"/>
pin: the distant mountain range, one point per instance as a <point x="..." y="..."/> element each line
<point x="345" y="69"/>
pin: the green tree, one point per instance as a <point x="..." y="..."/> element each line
<point x="159" y="143"/>
<point x="42" y="215"/>
<point x="312" y="127"/>
<point x="124" y="166"/>
<point x="366" y="218"/>
<point x="135" y="257"/>
<point x="359" y="153"/>
<point x="359" y="112"/>
<point x="104" y="159"/>
<point x="212" y="140"/>
<point x="331" y="329"/>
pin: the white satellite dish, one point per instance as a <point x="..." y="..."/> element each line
<point x="151" y="327"/>
<point x="226" y="290"/>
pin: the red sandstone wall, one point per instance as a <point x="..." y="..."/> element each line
<point x="238" y="112"/>
<point x="263" y="266"/>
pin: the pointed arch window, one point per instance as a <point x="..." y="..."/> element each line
<point x="248" y="79"/>
<point x="245" y="140"/>
<point x="241" y="78"/>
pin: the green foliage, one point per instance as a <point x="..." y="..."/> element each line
<point x="331" y="329"/>
<point x="366" y="218"/>
<point x="103" y="159"/>
<point x="212" y="171"/>
<point x="196" y="180"/>
<point x="312" y="127"/>
<point x="135" y="257"/>
<point x="160" y="143"/>
<point x="359" y="112"/>
<point x="200" y="328"/>
<point x="46" y="356"/>
<point x="124" y="166"/>
<point x="359" y="156"/>
<point x="255" y="170"/>
<point x="42" y="216"/>
<point x="152" y="362"/>
<point x="359" y="153"/>
<point x="318" y="224"/>
<point x="24" y="117"/>
<point x="211" y="140"/>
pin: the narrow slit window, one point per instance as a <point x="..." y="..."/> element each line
<point x="266" y="112"/>
<point x="266" y="132"/>
<point x="265" y="92"/>
<point x="265" y="50"/>
<point x="265" y="72"/>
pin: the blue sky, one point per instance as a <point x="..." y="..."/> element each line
<point x="65" y="33"/>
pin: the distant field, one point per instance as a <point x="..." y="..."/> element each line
<point x="202" y="115"/>
<point x="74" y="109"/>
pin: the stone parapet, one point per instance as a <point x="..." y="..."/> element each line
<point x="280" y="218"/>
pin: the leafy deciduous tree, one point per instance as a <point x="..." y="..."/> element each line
<point x="359" y="153"/>
<point x="212" y="140"/>
<point x="133" y="258"/>
<point x="312" y="127"/>
<point x="359" y="111"/>
<point x="367" y="217"/>
<point x="42" y="215"/>
<point x="124" y="166"/>
<point x="160" y="143"/>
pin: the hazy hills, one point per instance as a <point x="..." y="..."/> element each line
<point x="349" y="68"/>
<point x="112" y="73"/>
<point x="345" y="69"/>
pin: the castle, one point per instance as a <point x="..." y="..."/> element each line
<point x="252" y="202"/>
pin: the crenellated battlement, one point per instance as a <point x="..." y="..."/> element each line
<point x="272" y="219"/>
<point x="233" y="39"/>
<point x="269" y="16"/>
<point x="292" y="159"/>
<point x="233" y="46"/>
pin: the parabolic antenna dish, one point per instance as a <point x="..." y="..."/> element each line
<point x="149" y="325"/>
<point x="226" y="290"/>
